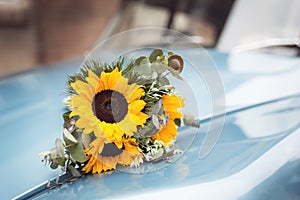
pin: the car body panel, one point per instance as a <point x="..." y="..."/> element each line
<point x="255" y="131"/>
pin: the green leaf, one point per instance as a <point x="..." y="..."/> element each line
<point x="86" y="139"/>
<point x="60" y="147"/>
<point x="155" y="121"/>
<point x="69" y="138"/>
<point x="163" y="81"/>
<point x="149" y="129"/>
<point x="74" y="171"/>
<point x="158" y="67"/>
<point x="66" y="116"/>
<point x="144" y="68"/>
<point x="157" y="108"/>
<point x="139" y="60"/>
<point x="154" y="54"/>
<point x="61" y="161"/>
<point x="54" y="164"/>
<point x="77" y="152"/>
<point x="74" y="147"/>
<point x="53" y="153"/>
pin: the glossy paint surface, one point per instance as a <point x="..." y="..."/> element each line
<point x="256" y="156"/>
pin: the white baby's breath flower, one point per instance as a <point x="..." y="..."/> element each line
<point x="137" y="161"/>
<point x="67" y="101"/>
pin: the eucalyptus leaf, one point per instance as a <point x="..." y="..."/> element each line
<point x="145" y="61"/>
<point x="149" y="130"/>
<point x="154" y="75"/>
<point x="144" y="68"/>
<point x="138" y="60"/>
<point x="53" y="153"/>
<point x="74" y="147"/>
<point x="167" y="154"/>
<point x="61" y="161"/>
<point x="154" y="54"/>
<point x="155" y="121"/>
<point x="77" y="152"/>
<point x="86" y="139"/>
<point x="54" y="164"/>
<point x="60" y="147"/>
<point x="74" y="171"/>
<point x="163" y="81"/>
<point x="157" y="107"/>
<point x="158" y="67"/>
<point x="66" y="116"/>
<point x="69" y="138"/>
<point x="70" y="124"/>
<point x="78" y="134"/>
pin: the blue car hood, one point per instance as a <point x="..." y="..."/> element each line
<point x="256" y="157"/>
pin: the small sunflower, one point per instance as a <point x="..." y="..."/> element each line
<point x="104" y="155"/>
<point x="108" y="106"/>
<point x="171" y="104"/>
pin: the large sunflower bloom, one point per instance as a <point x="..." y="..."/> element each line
<point x="171" y="104"/>
<point x="108" y="106"/>
<point x="104" y="155"/>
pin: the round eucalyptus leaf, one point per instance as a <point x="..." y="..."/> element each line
<point x="60" y="147"/>
<point x="155" y="54"/>
<point x="69" y="138"/>
<point x="54" y="164"/>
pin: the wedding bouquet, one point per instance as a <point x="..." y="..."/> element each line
<point x="124" y="113"/>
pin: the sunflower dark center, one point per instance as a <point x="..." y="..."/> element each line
<point x="110" y="150"/>
<point x="110" y="106"/>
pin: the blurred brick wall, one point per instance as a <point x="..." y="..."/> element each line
<point x="69" y="28"/>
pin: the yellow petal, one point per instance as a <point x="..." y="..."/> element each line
<point x="136" y="106"/>
<point x="119" y="144"/>
<point x="122" y="85"/>
<point x="92" y="75"/>
<point x="137" y="94"/>
<point x="137" y="120"/>
<point x="110" y="80"/>
<point x="127" y="126"/>
<point x="78" y="100"/>
<point x="83" y="89"/>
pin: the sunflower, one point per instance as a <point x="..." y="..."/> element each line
<point x="104" y="155"/>
<point x="171" y="104"/>
<point x="108" y="106"/>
